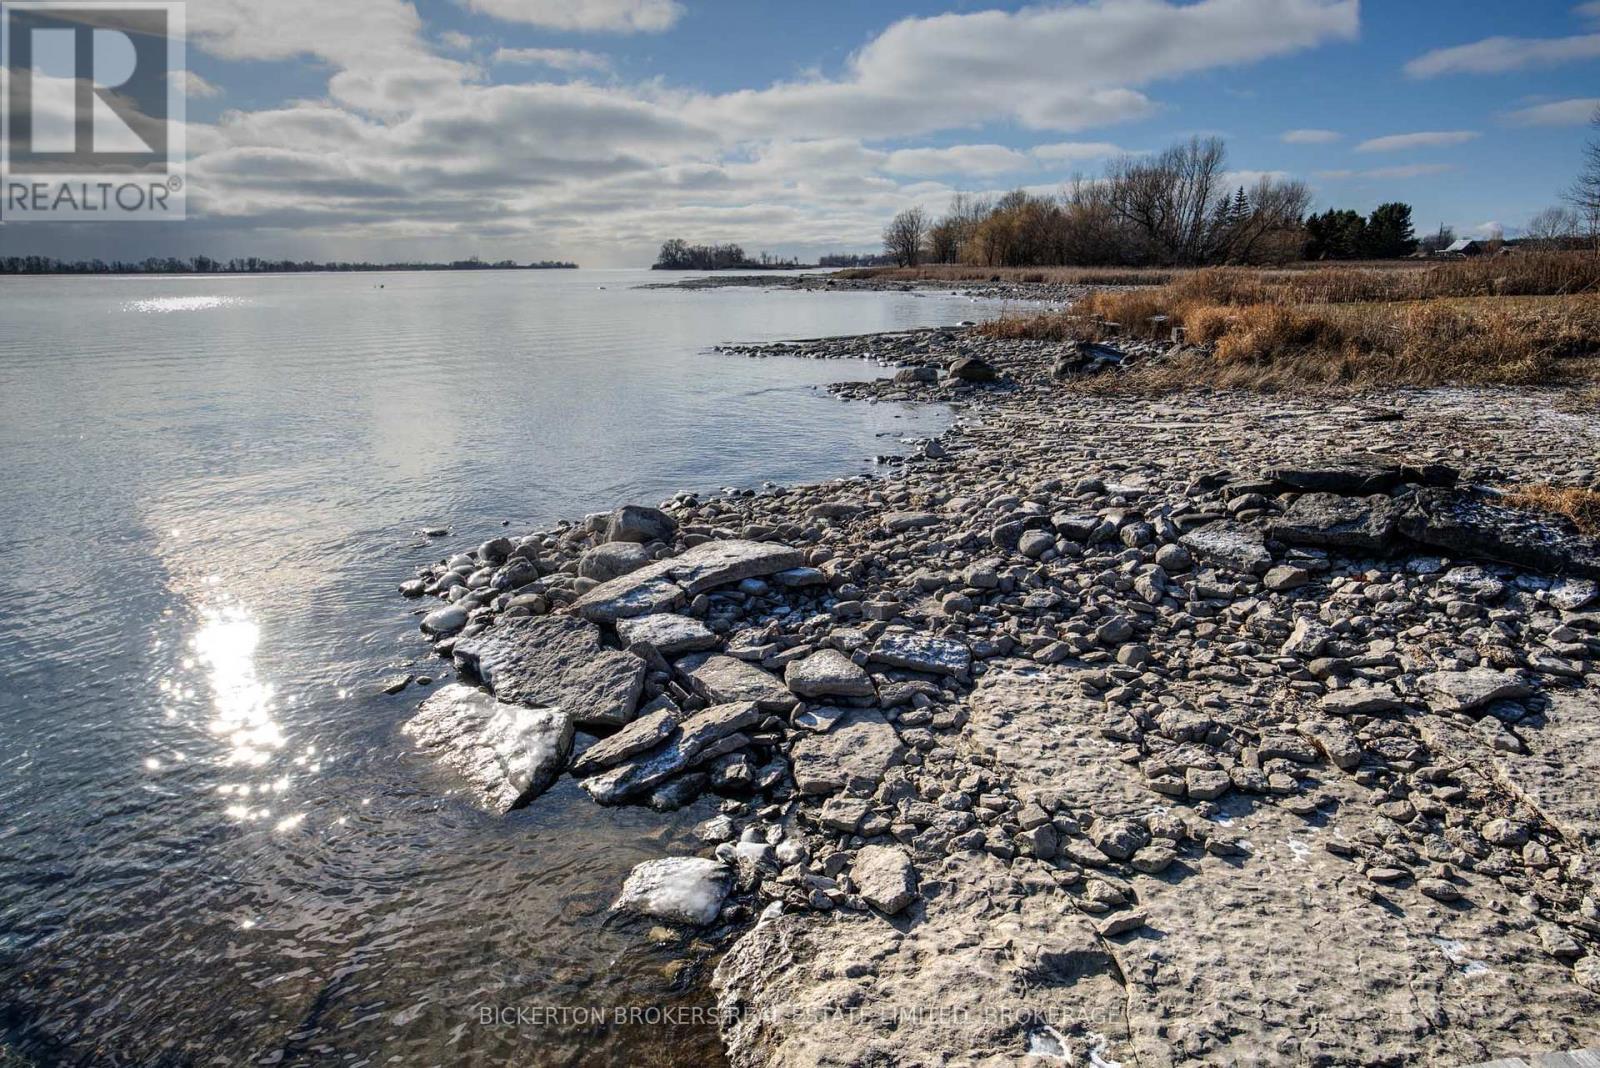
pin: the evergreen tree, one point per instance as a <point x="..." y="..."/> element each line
<point x="1389" y="234"/>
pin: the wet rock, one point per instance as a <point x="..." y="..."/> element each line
<point x="556" y="660"/>
<point x="886" y="878"/>
<point x="852" y="757"/>
<point x="688" y="890"/>
<point x="1467" y="524"/>
<point x="655" y="725"/>
<point x="508" y="754"/>
<point x="666" y="584"/>
<point x="827" y="673"/>
<point x="446" y="620"/>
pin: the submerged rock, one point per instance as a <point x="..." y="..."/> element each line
<point x="556" y="660"/>
<point x="686" y="890"/>
<point x="508" y="753"/>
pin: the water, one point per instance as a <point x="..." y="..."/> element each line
<point x="215" y="847"/>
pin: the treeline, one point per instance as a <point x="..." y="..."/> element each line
<point x="1174" y="209"/>
<point x="679" y="255"/>
<point x="249" y="265"/>
<point x="854" y="259"/>
<point x="1348" y="235"/>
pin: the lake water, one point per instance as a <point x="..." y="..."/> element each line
<point x="215" y="847"/>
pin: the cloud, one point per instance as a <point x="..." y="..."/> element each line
<point x="1496" y="55"/>
<point x="1556" y="113"/>
<point x="457" y="41"/>
<point x="1310" y="137"/>
<point x="1590" y="10"/>
<point x="589" y="16"/>
<point x="194" y="86"/>
<point x="1489" y="231"/>
<point x="1076" y="151"/>
<point x="567" y="59"/>
<point x="1411" y="170"/>
<point x="1426" y="139"/>
<point x="958" y="159"/>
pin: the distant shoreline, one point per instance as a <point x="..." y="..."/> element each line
<point x="177" y="269"/>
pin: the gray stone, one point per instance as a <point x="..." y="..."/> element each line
<point x="637" y="523"/>
<point x="556" y="660"/>
<point x="666" y="584"/>
<point x="1361" y="701"/>
<point x="1231" y="545"/>
<point x="1307" y="640"/>
<point x="1284" y="578"/>
<point x="446" y="620"/>
<point x="1119" y="839"/>
<point x="725" y="679"/>
<point x="656" y="724"/>
<point x="606" y="562"/>
<point x="922" y="652"/>
<point x="508" y="753"/>
<point x="972" y="369"/>
<point x="827" y="673"/>
<point x="1362" y="524"/>
<point x="702" y="737"/>
<point x="1035" y="543"/>
<point x="900" y="522"/>
<point x="885" y="877"/>
<point x="1463" y="691"/>
<point x="687" y="890"/>
<point x="852" y="757"/>
<point x="668" y="634"/>
<point x="1467" y="524"/>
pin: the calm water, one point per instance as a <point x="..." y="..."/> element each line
<point x="214" y="846"/>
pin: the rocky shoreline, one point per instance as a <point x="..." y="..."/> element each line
<point x="996" y="288"/>
<point x="1204" y="729"/>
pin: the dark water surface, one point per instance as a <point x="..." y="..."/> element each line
<point x="215" y="847"/>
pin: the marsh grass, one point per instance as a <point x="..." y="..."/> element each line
<point x="1582" y="506"/>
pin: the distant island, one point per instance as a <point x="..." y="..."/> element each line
<point x="251" y="265"/>
<point x="679" y="255"/>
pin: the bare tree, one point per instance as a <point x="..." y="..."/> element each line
<point x="1174" y="200"/>
<point x="1554" y="227"/>
<point x="904" y="235"/>
<point x="1584" y="196"/>
<point x="1266" y="224"/>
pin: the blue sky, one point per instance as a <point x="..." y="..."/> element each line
<point x="594" y="129"/>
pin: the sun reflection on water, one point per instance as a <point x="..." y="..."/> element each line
<point x="242" y="704"/>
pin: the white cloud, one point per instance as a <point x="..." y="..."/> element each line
<point x="1496" y="55"/>
<point x="1411" y="170"/>
<point x="568" y="59"/>
<point x="1426" y="139"/>
<point x="1489" y="231"/>
<point x="958" y="159"/>
<point x="1076" y="151"/>
<point x="593" y="16"/>
<point x="194" y="86"/>
<point x="457" y="41"/>
<point x="1556" y="113"/>
<point x="1589" y="10"/>
<point x="1310" y="137"/>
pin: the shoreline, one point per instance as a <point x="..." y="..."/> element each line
<point x="1082" y="722"/>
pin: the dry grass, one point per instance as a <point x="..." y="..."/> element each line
<point x="1069" y="276"/>
<point x="1582" y="506"/>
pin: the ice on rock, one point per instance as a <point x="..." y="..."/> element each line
<point x="680" y="889"/>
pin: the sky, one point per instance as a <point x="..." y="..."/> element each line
<point x="593" y="130"/>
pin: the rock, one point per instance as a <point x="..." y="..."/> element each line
<point x="508" y="753"/>
<point x="1173" y="558"/>
<point x="446" y="620"/>
<point x="726" y="679"/>
<point x="1284" y="578"/>
<point x="1122" y="924"/>
<point x="606" y="562"/>
<point x="1463" y="691"/>
<point x="1571" y="594"/>
<point x="679" y="792"/>
<point x="1503" y="832"/>
<point x="556" y="660"/>
<point x="1466" y="524"/>
<point x="900" y="522"/>
<point x="1206" y="785"/>
<point x="921" y="652"/>
<point x="1362" y="524"/>
<point x="1307" y="640"/>
<point x="665" y="584"/>
<point x="1035" y="543"/>
<point x="1355" y="476"/>
<point x="655" y="725"/>
<point x="637" y="523"/>
<point x="701" y="737"/>
<point x="1361" y="701"/>
<point x="972" y="369"/>
<point x="1586" y="973"/>
<point x="1439" y="889"/>
<point x="827" y="673"/>
<point x="1119" y="839"/>
<point x="668" y="634"/>
<point x="687" y="890"/>
<point x="885" y="877"/>
<point x="1231" y="545"/>
<point x="716" y="829"/>
<point x="909" y="375"/>
<point x="852" y="757"/>
<point x="1336" y="741"/>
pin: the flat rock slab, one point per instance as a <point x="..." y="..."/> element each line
<point x="686" y="890"/>
<point x="1467" y="524"/>
<point x="666" y="584"/>
<point x="850" y="757"/>
<point x="668" y="634"/>
<point x="827" y="673"/>
<point x="1557" y="775"/>
<point x="559" y="661"/>
<point x="651" y="729"/>
<point x="923" y="652"/>
<point x="724" y="679"/>
<point x="885" y="877"/>
<point x="1231" y="545"/>
<point x="508" y="754"/>
<point x="703" y="736"/>
<point x="1463" y="691"/>
<point x="1359" y="475"/>
<point x="1363" y="524"/>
